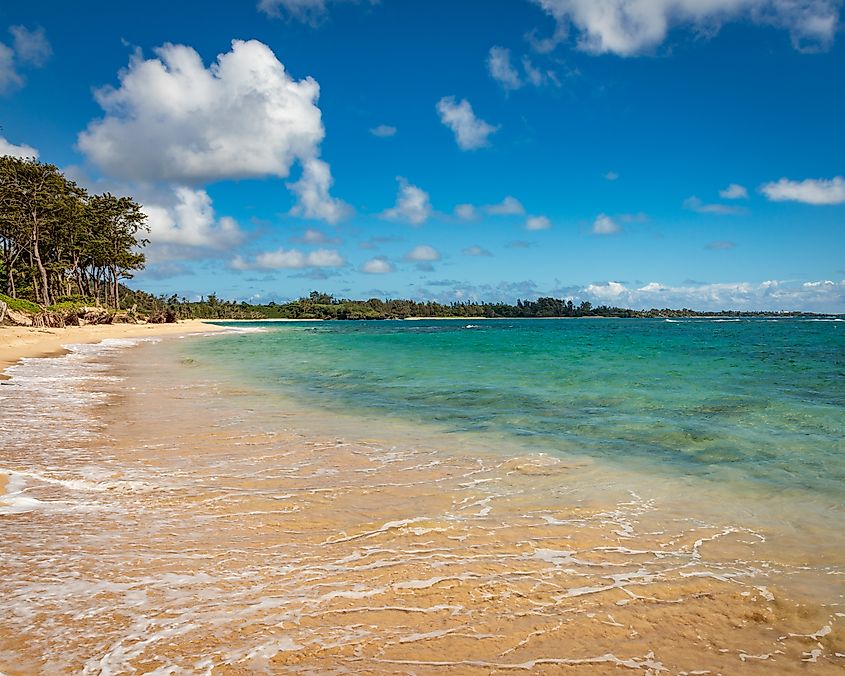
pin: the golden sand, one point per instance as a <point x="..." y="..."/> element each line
<point x="24" y="341"/>
<point x="212" y="531"/>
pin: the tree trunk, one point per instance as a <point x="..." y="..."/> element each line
<point x="41" y="269"/>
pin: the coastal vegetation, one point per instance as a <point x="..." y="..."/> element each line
<point x="59" y="244"/>
<point x="318" y="305"/>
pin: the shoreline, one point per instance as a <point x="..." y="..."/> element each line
<point x="20" y="342"/>
<point x="368" y="528"/>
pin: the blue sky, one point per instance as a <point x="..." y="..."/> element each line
<point x="636" y="152"/>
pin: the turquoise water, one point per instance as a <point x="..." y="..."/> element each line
<point x="756" y="401"/>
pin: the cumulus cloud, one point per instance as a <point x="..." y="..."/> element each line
<point x="377" y="266"/>
<point x="476" y="251"/>
<point x="186" y="219"/>
<point x="423" y="253"/>
<point x="383" y="131"/>
<point x="605" y="225"/>
<point x="29" y="48"/>
<point x="810" y="191"/>
<point x="821" y="296"/>
<point x="471" y="132"/>
<point x="734" y="192"/>
<point x="22" y="151"/>
<point x="312" y="189"/>
<point x="630" y="27"/>
<point x="611" y="176"/>
<point x="290" y="259"/>
<point x="173" y="119"/>
<point x="537" y="223"/>
<point x="695" y="204"/>
<point x="510" y="206"/>
<point x="412" y="204"/>
<point x="501" y="69"/>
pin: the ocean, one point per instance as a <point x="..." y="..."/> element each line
<point x="759" y="403"/>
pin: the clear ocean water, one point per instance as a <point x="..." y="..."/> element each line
<point x="758" y="403"/>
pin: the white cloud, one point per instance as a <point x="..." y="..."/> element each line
<point x="466" y="212"/>
<point x="510" y="206"/>
<point x="187" y="219"/>
<point x="412" y="204"/>
<point x="810" y="191"/>
<point x="377" y="266"/>
<point x="537" y="223"/>
<point x="22" y="151"/>
<point x="304" y="10"/>
<point x="307" y="11"/>
<point x="471" y="132"/>
<point x="423" y="252"/>
<point x="291" y="259"/>
<point x="383" y="131"/>
<point x="476" y="251"/>
<point x="312" y="189"/>
<point x="695" y="204"/>
<point x="611" y="176"/>
<point x="9" y="77"/>
<point x="629" y="27"/>
<point x="820" y="296"/>
<point x="312" y="236"/>
<point x="171" y="118"/>
<point x="31" y="47"/>
<point x="605" y="225"/>
<point x="734" y="192"/>
<point x="500" y="68"/>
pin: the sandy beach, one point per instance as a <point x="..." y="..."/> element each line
<point x="17" y="342"/>
<point x="170" y="518"/>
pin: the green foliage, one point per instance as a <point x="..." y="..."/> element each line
<point x="20" y="305"/>
<point x="56" y="240"/>
<point x="324" y="306"/>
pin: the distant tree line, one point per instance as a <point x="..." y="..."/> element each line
<point x="58" y="242"/>
<point x="318" y="305"/>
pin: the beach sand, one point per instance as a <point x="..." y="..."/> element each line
<point x="187" y="524"/>
<point x="17" y="342"/>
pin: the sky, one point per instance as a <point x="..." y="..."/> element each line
<point x="640" y="153"/>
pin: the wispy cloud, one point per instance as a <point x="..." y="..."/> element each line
<point x="695" y="204"/>
<point x="720" y="245"/>
<point x="476" y="251"/>
<point x="383" y="131"/>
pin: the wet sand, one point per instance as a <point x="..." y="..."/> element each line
<point x="185" y="524"/>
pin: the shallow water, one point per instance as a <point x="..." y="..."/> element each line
<point x="174" y="508"/>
